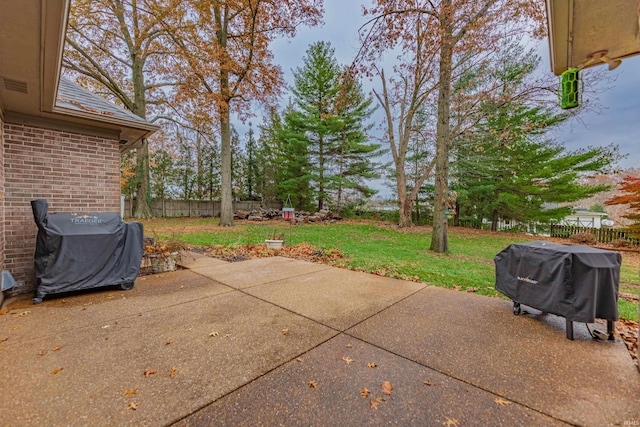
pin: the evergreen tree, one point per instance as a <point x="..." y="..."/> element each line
<point x="314" y="119"/>
<point x="294" y="170"/>
<point x="354" y="152"/>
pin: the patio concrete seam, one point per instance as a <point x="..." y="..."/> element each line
<point x="246" y="384"/>
<point x="447" y="374"/>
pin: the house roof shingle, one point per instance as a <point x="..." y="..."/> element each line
<point x="72" y="96"/>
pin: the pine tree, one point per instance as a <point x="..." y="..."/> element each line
<point x="354" y="151"/>
<point x="315" y="90"/>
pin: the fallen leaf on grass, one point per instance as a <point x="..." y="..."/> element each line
<point x="386" y="388"/>
<point x="429" y="383"/>
<point x="371" y="365"/>
<point x="149" y="372"/>
<point x="173" y="371"/>
<point x="373" y="404"/>
<point x="133" y="405"/>
<point x="347" y="359"/>
<point x="312" y="384"/>
<point x="55" y="371"/>
<point x="130" y="392"/>
<point x="451" y="422"/>
<point x="364" y="392"/>
<point x="502" y="402"/>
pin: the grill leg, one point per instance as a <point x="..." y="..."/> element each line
<point x="569" y="329"/>
<point x="610" y="330"/>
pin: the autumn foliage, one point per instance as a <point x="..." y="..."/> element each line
<point x="630" y="187"/>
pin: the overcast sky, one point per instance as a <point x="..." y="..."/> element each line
<point x="618" y="122"/>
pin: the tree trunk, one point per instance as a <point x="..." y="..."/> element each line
<point x="226" y="196"/>
<point x="439" y="238"/>
<point x="405" y="204"/>
<point x="494" y="220"/>
<point x="143" y="208"/>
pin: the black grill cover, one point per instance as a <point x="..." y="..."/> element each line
<point x="81" y="251"/>
<point x="579" y="283"/>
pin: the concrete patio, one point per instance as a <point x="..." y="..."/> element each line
<point x="277" y="341"/>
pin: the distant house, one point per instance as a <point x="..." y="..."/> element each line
<point x="584" y="218"/>
<point x="57" y="140"/>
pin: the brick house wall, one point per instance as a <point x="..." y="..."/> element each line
<point x="75" y="172"/>
<point x="1" y="194"/>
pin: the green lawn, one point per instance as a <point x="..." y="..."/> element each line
<point x="383" y="248"/>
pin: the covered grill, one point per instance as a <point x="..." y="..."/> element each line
<point x="579" y="283"/>
<point x="82" y="251"/>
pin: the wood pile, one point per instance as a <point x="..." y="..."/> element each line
<point x="301" y="217"/>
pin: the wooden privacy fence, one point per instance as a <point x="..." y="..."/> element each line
<point x="603" y="235"/>
<point x="195" y="208"/>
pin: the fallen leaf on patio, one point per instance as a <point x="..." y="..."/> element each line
<point x="371" y="365"/>
<point x="502" y="402"/>
<point x="472" y="289"/>
<point x="16" y="327"/>
<point x="373" y="404"/>
<point x="130" y="392"/>
<point x="133" y="405"/>
<point x="451" y="422"/>
<point x="312" y="384"/>
<point x="88" y="304"/>
<point x="457" y="288"/>
<point x="57" y="348"/>
<point x="380" y="399"/>
<point x="55" y="371"/>
<point x="300" y="359"/>
<point x="3" y="340"/>
<point x="429" y="383"/>
<point x="364" y="392"/>
<point x="173" y="372"/>
<point x="43" y="353"/>
<point x="285" y="331"/>
<point x="213" y="334"/>
<point x="226" y="335"/>
<point x="168" y="343"/>
<point x="23" y="313"/>
<point x="150" y="372"/>
<point x="348" y="345"/>
<point x="347" y="359"/>
<point x="2" y="312"/>
<point x="107" y="338"/>
<point x="386" y="388"/>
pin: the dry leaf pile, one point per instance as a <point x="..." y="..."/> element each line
<point x="628" y="331"/>
<point x="302" y="251"/>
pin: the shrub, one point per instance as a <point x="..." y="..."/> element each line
<point x="584" y="238"/>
